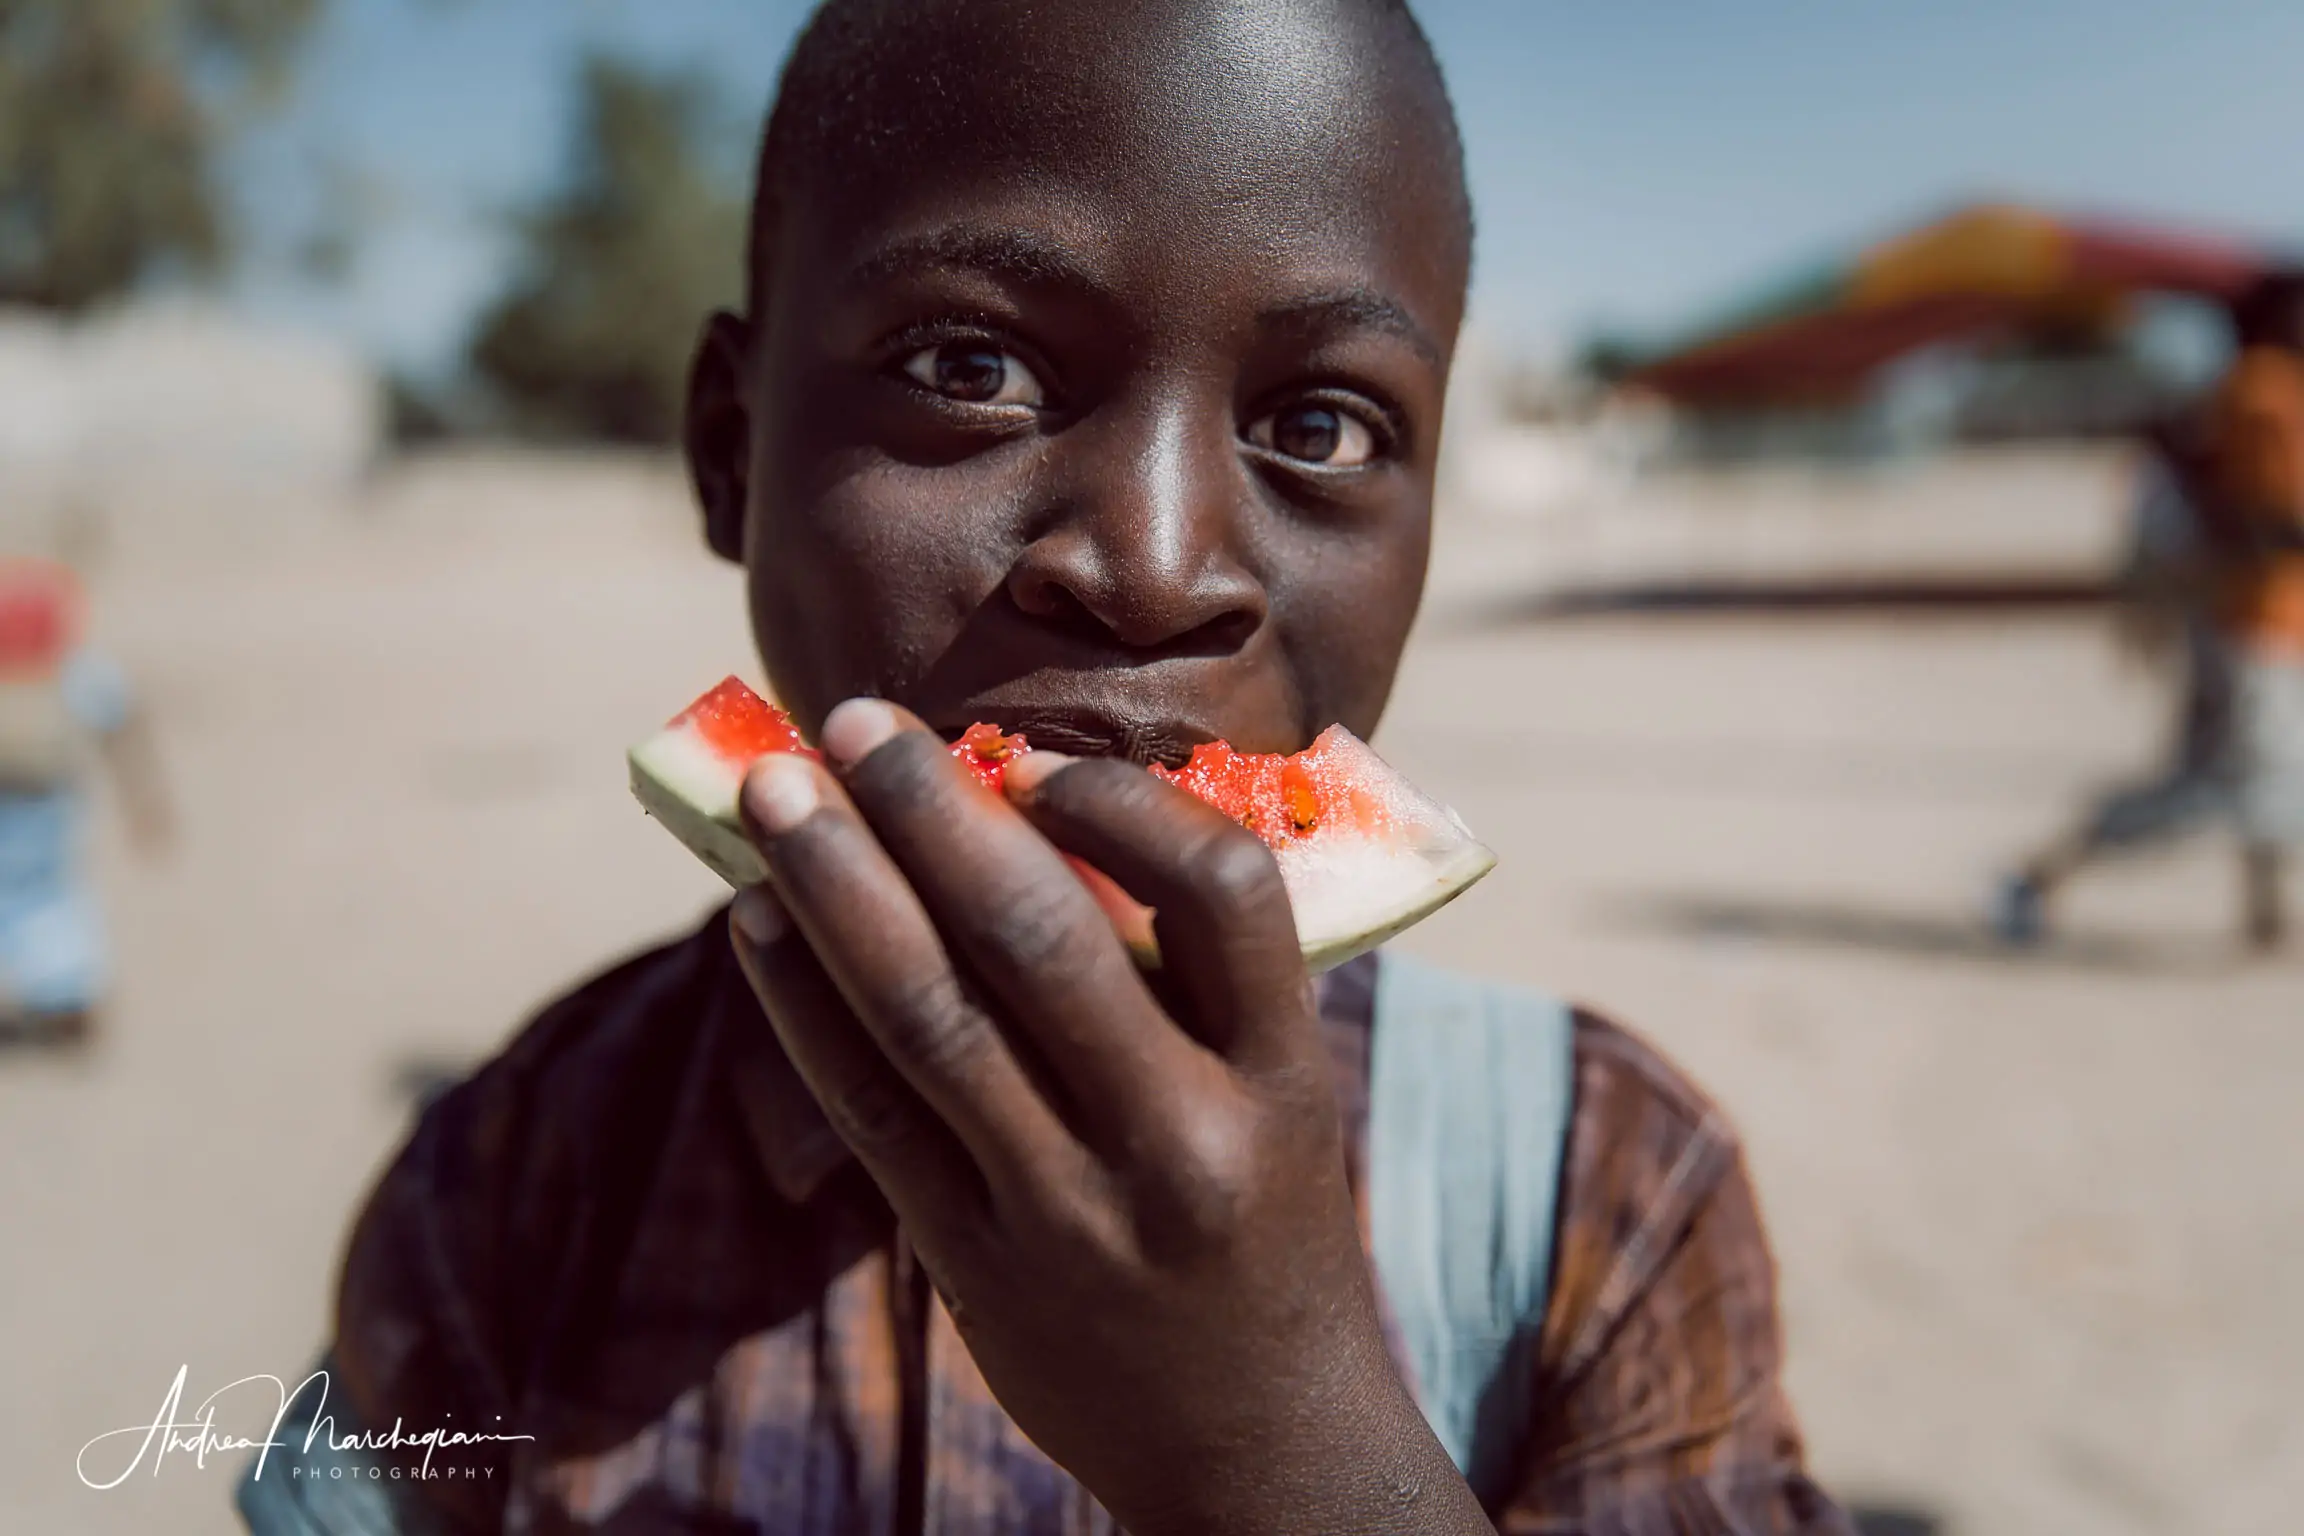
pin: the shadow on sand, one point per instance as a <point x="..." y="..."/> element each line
<point x="1950" y="596"/>
<point x="1894" y="1520"/>
<point x="1904" y="932"/>
<point x="65" y="1037"/>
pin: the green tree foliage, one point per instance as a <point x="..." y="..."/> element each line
<point x="112" y="113"/>
<point x="620" y="264"/>
<point x="1605" y="359"/>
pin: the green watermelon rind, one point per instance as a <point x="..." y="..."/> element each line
<point x="1469" y="865"/>
<point x="716" y="836"/>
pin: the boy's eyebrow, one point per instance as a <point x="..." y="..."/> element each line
<point x="1034" y="260"/>
<point x="1353" y="309"/>
<point x="1014" y="254"/>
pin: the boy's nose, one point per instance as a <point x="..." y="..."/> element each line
<point x="1140" y="533"/>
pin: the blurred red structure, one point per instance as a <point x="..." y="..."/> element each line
<point x="1974" y="275"/>
<point x="39" y="616"/>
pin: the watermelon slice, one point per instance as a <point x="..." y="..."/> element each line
<point x="1363" y="854"/>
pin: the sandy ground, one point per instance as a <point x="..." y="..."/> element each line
<point x="2039" y="1226"/>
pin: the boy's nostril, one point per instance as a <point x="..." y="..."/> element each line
<point x="1137" y="628"/>
<point x="1220" y="636"/>
<point x="1057" y="606"/>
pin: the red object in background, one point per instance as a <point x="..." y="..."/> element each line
<point x="39" y="616"/>
<point x="1977" y="274"/>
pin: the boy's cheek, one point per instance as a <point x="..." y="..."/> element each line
<point x="861" y="589"/>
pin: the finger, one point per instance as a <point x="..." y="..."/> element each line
<point x="911" y="1154"/>
<point x="1227" y="935"/>
<point x="1017" y="916"/>
<point x="868" y="931"/>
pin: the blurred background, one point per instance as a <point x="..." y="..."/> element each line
<point x="1792" y="469"/>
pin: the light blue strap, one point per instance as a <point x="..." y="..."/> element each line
<point x="1470" y="1088"/>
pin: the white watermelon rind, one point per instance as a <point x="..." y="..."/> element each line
<point x="680" y="782"/>
<point x="1460" y="870"/>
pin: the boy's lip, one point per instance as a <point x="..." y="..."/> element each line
<point x="1093" y="733"/>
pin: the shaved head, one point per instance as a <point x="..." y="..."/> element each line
<point x="875" y="87"/>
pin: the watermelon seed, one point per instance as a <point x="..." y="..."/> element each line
<point x="1303" y="801"/>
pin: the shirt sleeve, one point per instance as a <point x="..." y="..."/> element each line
<point x="416" y="1335"/>
<point x="1658" y="1408"/>
<point x="487" y="1227"/>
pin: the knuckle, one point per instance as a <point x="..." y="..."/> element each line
<point x="873" y="1114"/>
<point x="1206" y="1201"/>
<point x="1039" y="930"/>
<point x="933" y="1026"/>
<point x="1237" y="870"/>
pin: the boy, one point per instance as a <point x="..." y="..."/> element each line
<point x="1090" y="383"/>
<point x="61" y="702"/>
<point x="2221" y="551"/>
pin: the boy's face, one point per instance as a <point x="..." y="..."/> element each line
<point x="1100" y="396"/>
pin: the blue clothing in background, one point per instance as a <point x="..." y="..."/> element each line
<point x="52" y="957"/>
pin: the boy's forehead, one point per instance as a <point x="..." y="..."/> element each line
<point x="1013" y="76"/>
<point x="1276" y="129"/>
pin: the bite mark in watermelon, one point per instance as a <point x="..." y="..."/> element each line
<point x="1363" y="853"/>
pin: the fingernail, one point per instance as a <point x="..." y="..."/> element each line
<point x="758" y="916"/>
<point x="1028" y="772"/>
<point x="780" y="791"/>
<point x="855" y="728"/>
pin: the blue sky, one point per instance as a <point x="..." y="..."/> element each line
<point x="1631" y="162"/>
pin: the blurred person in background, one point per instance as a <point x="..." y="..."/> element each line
<point x="62" y="703"/>
<point x="2217" y="574"/>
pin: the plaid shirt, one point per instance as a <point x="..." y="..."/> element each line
<point x="633" y="1236"/>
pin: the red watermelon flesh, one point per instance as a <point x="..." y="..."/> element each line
<point x="1280" y="799"/>
<point x="737" y="725"/>
<point x="1362" y="852"/>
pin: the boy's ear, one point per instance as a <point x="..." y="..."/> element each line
<point x="717" y="436"/>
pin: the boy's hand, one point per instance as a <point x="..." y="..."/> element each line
<point x="1133" y="1201"/>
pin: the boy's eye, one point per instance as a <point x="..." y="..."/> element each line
<point x="1317" y="434"/>
<point x="974" y="374"/>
